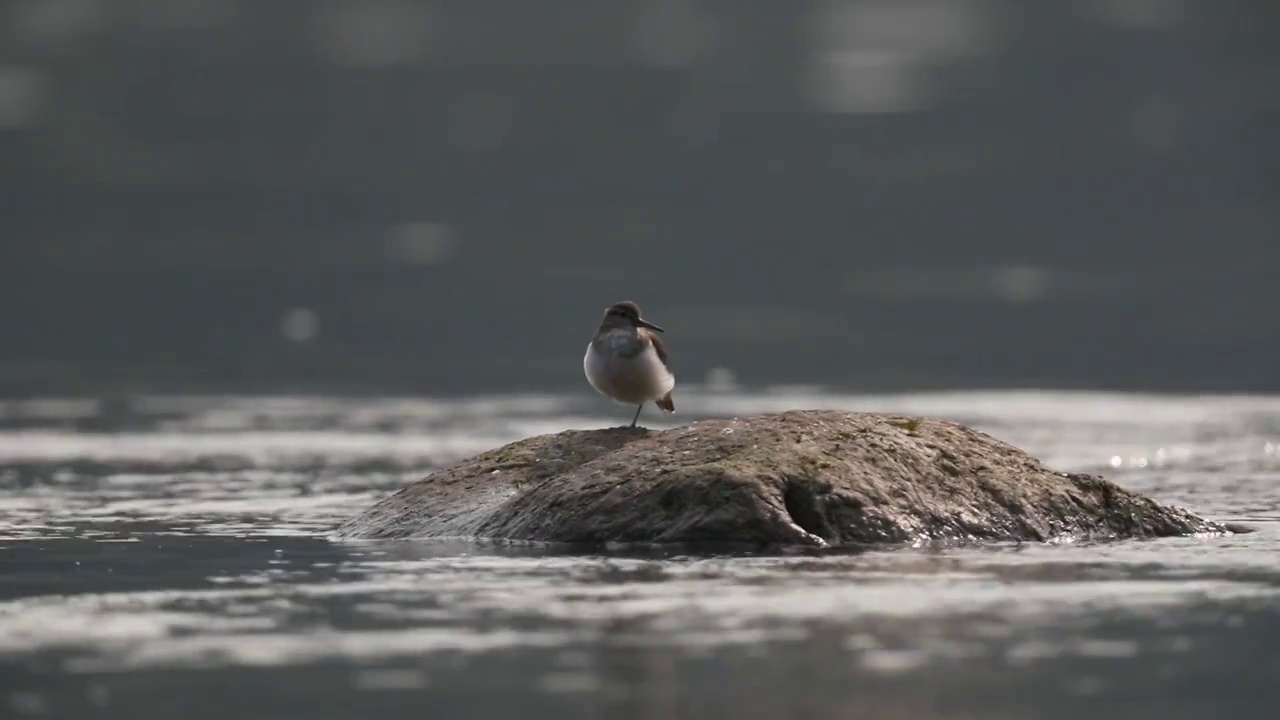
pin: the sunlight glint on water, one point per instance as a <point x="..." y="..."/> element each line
<point x="181" y="538"/>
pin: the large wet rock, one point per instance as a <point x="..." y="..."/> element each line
<point x="803" y="477"/>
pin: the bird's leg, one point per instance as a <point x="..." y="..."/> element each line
<point x="637" y="417"/>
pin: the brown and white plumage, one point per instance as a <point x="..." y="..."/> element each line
<point x="628" y="361"/>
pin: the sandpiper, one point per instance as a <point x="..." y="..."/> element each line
<point x="627" y="360"/>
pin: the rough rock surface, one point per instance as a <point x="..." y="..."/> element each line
<point x="805" y="477"/>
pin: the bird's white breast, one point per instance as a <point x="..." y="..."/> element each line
<point x="636" y="379"/>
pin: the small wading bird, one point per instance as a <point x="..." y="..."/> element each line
<point x="627" y="360"/>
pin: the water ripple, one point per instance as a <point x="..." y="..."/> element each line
<point x="188" y="534"/>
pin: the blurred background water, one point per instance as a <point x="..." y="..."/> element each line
<point x="262" y="263"/>
<point x="389" y="195"/>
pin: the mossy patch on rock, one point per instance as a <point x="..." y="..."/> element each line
<point x="805" y="477"/>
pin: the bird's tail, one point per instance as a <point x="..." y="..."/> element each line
<point x="666" y="403"/>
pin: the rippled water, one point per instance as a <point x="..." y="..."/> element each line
<point x="170" y="555"/>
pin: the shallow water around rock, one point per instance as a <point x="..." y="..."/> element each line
<point x="169" y="556"/>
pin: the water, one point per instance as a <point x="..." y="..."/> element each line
<point x="169" y="556"/>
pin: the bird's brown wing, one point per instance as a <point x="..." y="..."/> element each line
<point x="659" y="347"/>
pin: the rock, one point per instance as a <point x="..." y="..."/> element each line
<point x="809" y="477"/>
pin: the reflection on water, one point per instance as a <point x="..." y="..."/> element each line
<point x="158" y="554"/>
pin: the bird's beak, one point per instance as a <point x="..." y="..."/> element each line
<point x="647" y="324"/>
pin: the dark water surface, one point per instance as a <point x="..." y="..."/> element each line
<point x="168" y="557"/>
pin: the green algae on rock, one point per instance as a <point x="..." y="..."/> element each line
<point x="805" y="477"/>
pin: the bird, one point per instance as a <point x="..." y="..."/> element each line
<point x="627" y="360"/>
